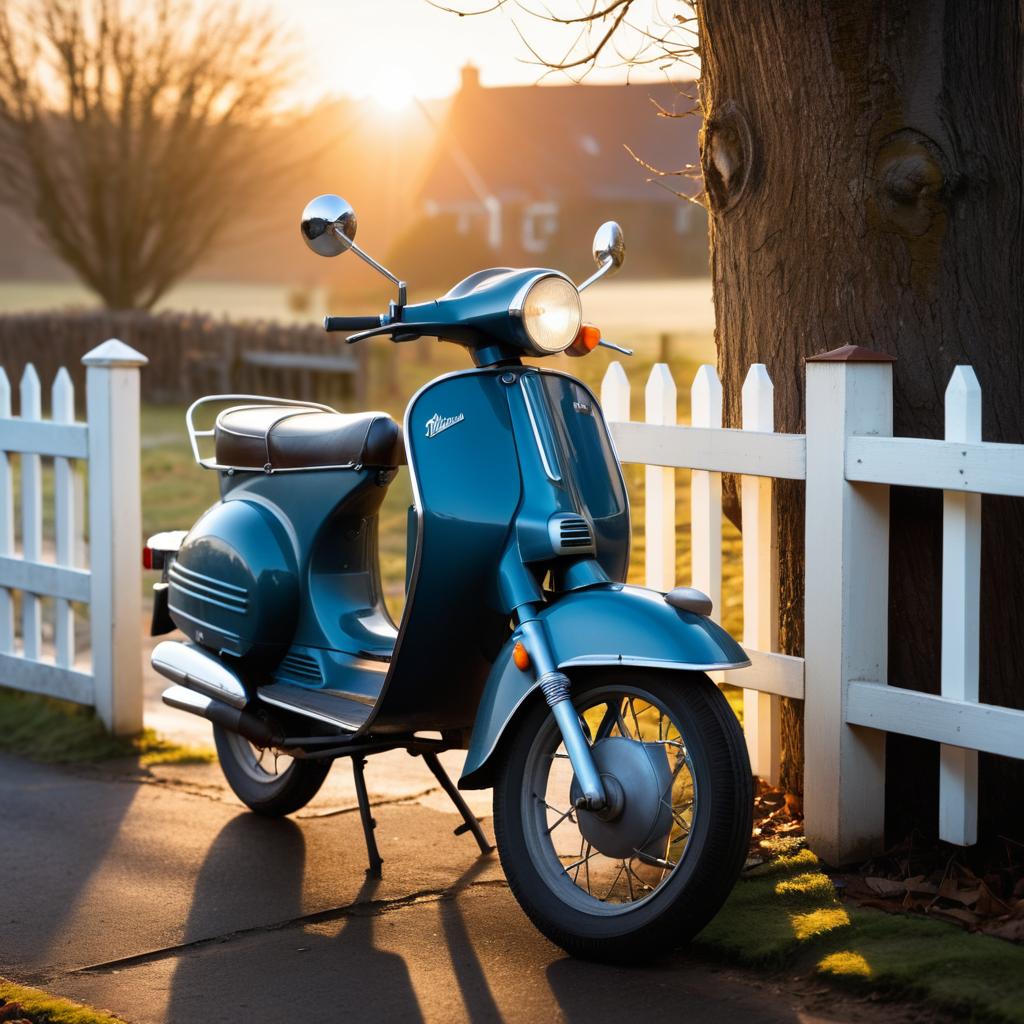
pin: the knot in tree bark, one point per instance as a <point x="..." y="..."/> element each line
<point x="911" y="183"/>
<point x="726" y="155"/>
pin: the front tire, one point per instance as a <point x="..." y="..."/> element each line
<point x="267" y="782"/>
<point x="646" y="880"/>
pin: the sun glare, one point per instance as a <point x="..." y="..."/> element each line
<point x="393" y="88"/>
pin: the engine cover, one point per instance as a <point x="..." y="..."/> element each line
<point x="233" y="584"/>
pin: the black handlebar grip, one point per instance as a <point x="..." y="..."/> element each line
<point x="350" y="323"/>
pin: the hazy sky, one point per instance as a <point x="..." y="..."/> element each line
<point x="368" y="47"/>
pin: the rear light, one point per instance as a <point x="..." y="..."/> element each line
<point x="153" y="558"/>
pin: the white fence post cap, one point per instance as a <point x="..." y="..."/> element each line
<point x="114" y="353"/>
<point x="851" y="354"/>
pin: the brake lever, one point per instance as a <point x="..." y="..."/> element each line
<point x="618" y="348"/>
<point x="398" y="331"/>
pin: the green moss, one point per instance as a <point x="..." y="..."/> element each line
<point x="57" y="732"/>
<point x="786" y="914"/>
<point x="46" y="1009"/>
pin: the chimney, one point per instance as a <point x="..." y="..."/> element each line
<point x="470" y="74"/>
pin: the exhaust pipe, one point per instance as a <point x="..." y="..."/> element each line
<point x="206" y="687"/>
<point x="233" y="719"/>
<point x="195" y="669"/>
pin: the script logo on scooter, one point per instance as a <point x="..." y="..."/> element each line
<point x="437" y="423"/>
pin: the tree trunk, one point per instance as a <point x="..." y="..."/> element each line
<point x="862" y="161"/>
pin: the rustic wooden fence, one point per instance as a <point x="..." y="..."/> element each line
<point x="849" y="460"/>
<point x="189" y="353"/>
<point x="111" y="586"/>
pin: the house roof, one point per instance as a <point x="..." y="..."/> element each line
<point x="560" y="142"/>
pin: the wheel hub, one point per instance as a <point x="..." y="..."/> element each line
<point x="637" y="780"/>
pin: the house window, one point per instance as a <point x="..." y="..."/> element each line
<point x="540" y="222"/>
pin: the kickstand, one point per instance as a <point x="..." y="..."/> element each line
<point x="470" y="823"/>
<point x="358" y="763"/>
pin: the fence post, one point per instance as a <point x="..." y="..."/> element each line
<point x="660" y="486"/>
<point x="846" y="571"/>
<point x="762" y="712"/>
<point x="706" y="493"/>
<point x="31" y="515"/>
<point x="65" y="518"/>
<point x="615" y="394"/>
<point x="6" y="524"/>
<point x="115" y="533"/>
<point x="961" y="596"/>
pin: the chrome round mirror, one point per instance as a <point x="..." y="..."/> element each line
<point x="328" y="225"/>
<point x="609" y="246"/>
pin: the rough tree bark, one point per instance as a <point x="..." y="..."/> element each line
<point x="863" y="166"/>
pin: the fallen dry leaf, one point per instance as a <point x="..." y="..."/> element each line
<point x="1012" y="930"/>
<point x="920" y="886"/>
<point x="989" y="904"/>
<point x="885" y="886"/>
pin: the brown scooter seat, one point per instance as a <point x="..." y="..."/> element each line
<point x="291" y="437"/>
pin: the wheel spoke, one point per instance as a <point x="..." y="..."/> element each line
<point x="615" y="882"/>
<point x="636" y="721"/>
<point x="630" y="871"/>
<point x="561" y="818"/>
<point x="654" y="862"/>
<point x="577" y="864"/>
<point x="612" y="717"/>
<point x="677" y="818"/>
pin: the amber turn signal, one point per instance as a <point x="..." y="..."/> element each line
<point x="520" y="657"/>
<point x="586" y="340"/>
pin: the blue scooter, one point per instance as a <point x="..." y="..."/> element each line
<point x="622" y="788"/>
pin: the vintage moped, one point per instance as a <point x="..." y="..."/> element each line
<point x="622" y="788"/>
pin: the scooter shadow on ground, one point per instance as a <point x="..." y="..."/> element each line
<point x="261" y="861"/>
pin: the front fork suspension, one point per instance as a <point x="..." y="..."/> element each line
<point x="555" y="687"/>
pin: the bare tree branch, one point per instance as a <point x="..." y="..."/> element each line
<point x="604" y="27"/>
<point x="134" y="138"/>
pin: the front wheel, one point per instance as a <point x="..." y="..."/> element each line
<point x="645" y="876"/>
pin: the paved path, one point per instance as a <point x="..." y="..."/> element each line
<point x="155" y="896"/>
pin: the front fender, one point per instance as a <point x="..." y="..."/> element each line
<point x="610" y="625"/>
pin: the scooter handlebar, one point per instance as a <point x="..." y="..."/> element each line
<point x="351" y="323"/>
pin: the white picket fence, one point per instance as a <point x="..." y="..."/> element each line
<point x="849" y="460"/>
<point x="112" y="584"/>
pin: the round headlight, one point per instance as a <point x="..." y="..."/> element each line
<point x="552" y="314"/>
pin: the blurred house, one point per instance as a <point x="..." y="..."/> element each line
<point x="523" y="175"/>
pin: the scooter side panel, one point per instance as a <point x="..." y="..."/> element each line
<point x="466" y="484"/>
<point x="612" y="625"/>
<point x="233" y="583"/>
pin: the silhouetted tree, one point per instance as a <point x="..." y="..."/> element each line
<point x="132" y="135"/>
